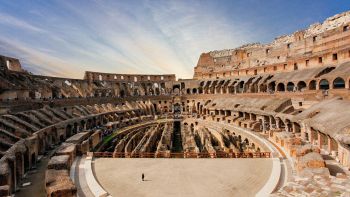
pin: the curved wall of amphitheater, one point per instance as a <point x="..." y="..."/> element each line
<point x="292" y="92"/>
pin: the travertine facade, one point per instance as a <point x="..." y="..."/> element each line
<point x="320" y="45"/>
<point x="293" y="91"/>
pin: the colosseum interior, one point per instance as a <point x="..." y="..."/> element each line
<point x="261" y="119"/>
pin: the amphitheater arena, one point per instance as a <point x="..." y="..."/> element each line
<point x="261" y="119"/>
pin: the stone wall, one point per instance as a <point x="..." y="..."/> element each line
<point x="319" y="45"/>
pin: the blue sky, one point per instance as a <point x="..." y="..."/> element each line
<point x="65" y="37"/>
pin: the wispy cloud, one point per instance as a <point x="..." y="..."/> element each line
<point x="9" y="20"/>
<point x="40" y="62"/>
<point x="66" y="38"/>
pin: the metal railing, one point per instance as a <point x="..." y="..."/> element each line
<point x="182" y="155"/>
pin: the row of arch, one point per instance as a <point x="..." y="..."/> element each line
<point x="268" y="124"/>
<point x="26" y="151"/>
<point x="216" y="87"/>
<point x="323" y="84"/>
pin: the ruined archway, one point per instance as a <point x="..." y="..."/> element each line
<point x="290" y="86"/>
<point x="301" y="85"/>
<point x="280" y="87"/>
<point x="312" y="85"/>
<point x="324" y="84"/>
<point x="338" y="83"/>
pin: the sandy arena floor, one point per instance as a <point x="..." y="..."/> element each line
<point x="182" y="177"/>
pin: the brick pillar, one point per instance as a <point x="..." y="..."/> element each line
<point x="263" y="125"/>
<point x="330" y="145"/>
<point x="303" y="131"/>
<point x="287" y="127"/>
<point x="319" y="138"/>
<point x="293" y="127"/>
<point x="311" y="136"/>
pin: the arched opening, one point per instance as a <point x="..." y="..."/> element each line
<point x="176" y="89"/>
<point x="26" y="160"/>
<point x="136" y="92"/>
<point x="19" y="165"/>
<point x="296" y="127"/>
<point x="262" y="88"/>
<point x="69" y="131"/>
<point x="290" y="86"/>
<point x="75" y="128"/>
<point x="280" y="87"/>
<point x="200" y="90"/>
<point x="188" y="91"/>
<point x="324" y="84"/>
<point x="83" y="124"/>
<point x="272" y="86"/>
<point x="301" y="85"/>
<point x="33" y="159"/>
<point x="241" y="87"/>
<point x="194" y="91"/>
<point x="177" y="108"/>
<point x="338" y="83"/>
<point x="312" y="85"/>
<point x="122" y="93"/>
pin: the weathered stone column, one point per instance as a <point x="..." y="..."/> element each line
<point x="319" y="138"/>
<point x="303" y="131"/>
<point x="287" y="127"/>
<point x="263" y="125"/>
<point x="330" y="144"/>
<point x="277" y="123"/>
<point x="293" y="127"/>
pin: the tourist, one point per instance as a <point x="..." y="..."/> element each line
<point x="143" y="177"/>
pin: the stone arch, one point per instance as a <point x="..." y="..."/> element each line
<point x="312" y="85"/>
<point x="188" y="91"/>
<point x="41" y="145"/>
<point x="288" y="125"/>
<point x="200" y="90"/>
<point x="241" y="87"/>
<point x="122" y="93"/>
<point x="301" y="85"/>
<point x="26" y="160"/>
<point x="296" y="127"/>
<point x="272" y="86"/>
<point x="19" y="165"/>
<point x="83" y="124"/>
<point x="280" y="87"/>
<point x="194" y="91"/>
<point x="338" y="83"/>
<point x="324" y="84"/>
<point x="136" y="92"/>
<point x="89" y="124"/>
<point x="12" y="175"/>
<point x="290" y="86"/>
<point x="75" y="128"/>
<point x="176" y="91"/>
<point x="33" y="159"/>
<point x="68" y="130"/>
<point x="262" y="88"/>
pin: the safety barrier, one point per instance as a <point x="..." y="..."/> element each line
<point x="182" y="155"/>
